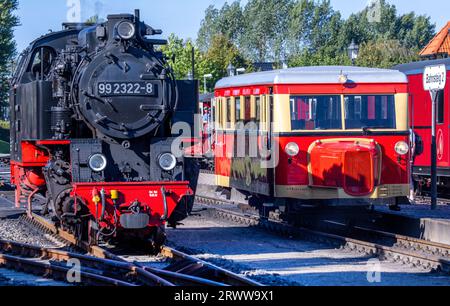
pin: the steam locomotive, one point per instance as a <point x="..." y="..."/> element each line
<point x="92" y="108"/>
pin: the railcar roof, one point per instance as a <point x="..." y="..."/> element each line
<point x="419" y="67"/>
<point x="314" y="75"/>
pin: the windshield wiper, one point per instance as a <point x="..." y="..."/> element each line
<point x="367" y="129"/>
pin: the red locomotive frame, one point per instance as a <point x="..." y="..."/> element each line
<point x="107" y="202"/>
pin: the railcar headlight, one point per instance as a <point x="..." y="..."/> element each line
<point x="98" y="162"/>
<point x="126" y="30"/>
<point x="292" y="149"/>
<point x="402" y="148"/>
<point x="167" y="161"/>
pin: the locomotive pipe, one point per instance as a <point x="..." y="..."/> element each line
<point x="166" y="210"/>
<point x="103" y="197"/>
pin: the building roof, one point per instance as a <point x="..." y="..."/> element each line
<point x="440" y="44"/>
<point x="206" y="97"/>
<point x="314" y="75"/>
<point x="419" y="67"/>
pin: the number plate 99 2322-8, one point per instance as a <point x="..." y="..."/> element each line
<point x="108" y="89"/>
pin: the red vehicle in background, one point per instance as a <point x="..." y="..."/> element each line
<point x="420" y="121"/>
<point x="202" y="146"/>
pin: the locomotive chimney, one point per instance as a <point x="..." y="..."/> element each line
<point x="137" y="14"/>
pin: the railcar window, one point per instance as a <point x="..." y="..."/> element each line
<point x="258" y="110"/>
<point x="238" y="109"/>
<point x="248" y="109"/>
<point x="229" y="113"/>
<point x="370" y="111"/>
<point x="440" y="108"/>
<point x="316" y="112"/>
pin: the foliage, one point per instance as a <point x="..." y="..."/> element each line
<point x="179" y="53"/>
<point x="228" y="22"/>
<point x="385" y="54"/>
<point x="4" y="131"/>
<point x="215" y="60"/>
<point x="7" y="45"/>
<point x="308" y="32"/>
<point x="220" y="54"/>
<point x="4" y="125"/>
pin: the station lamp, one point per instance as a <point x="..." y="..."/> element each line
<point x="205" y="77"/>
<point x="353" y="51"/>
<point x="231" y="70"/>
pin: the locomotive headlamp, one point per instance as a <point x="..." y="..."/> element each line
<point x="167" y="161"/>
<point x="126" y="30"/>
<point x="401" y="148"/>
<point x="292" y="149"/>
<point x="98" y="162"/>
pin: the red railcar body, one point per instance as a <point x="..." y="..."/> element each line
<point x="420" y="121"/>
<point x="334" y="134"/>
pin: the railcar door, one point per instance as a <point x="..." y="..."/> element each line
<point x="251" y="145"/>
<point x="442" y="128"/>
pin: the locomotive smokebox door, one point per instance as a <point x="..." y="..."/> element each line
<point x="125" y="92"/>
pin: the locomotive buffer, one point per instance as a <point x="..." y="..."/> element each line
<point x="434" y="79"/>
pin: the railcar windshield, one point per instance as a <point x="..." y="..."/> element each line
<point x="370" y="111"/>
<point x="316" y="113"/>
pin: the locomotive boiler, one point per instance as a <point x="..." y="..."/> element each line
<point x="92" y="108"/>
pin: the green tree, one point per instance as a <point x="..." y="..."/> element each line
<point x="266" y="31"/>
<point x="7" y="45"/>
<point x="179" y="53"/>
<point x="231" y="22"/>
<point x="311" y="32"/>
<point x="385" y="54"/>
<point x="415" y="31"/>
<point x="220" y="54"/>
<point x="208" y="28"/>
<point x="315" y="32"/>
<point x="228" y="21"/>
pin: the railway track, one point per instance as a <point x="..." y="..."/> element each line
<point x="181" y="270"/>
<point x="57" y="264"/>
<point x="397" y="248"/>
<point x="425" y="200"/>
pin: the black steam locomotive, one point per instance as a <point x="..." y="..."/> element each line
<point x="92" y="108"/>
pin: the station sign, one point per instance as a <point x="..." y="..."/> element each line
<point x="434" y="78"/>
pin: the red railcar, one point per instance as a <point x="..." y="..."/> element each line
<point x="333" y="135"/>
<point x="420" y="120"/>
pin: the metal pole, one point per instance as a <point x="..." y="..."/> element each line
<point x="193" y="62"/>
<point x="434" y="94"/>
<point x="204" y="83"/>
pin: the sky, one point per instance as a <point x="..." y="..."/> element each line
<point x="182" y="17"/>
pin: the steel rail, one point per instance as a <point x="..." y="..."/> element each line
<point x="402" y="254"/>
<point x="104" y="267"/>
<point x="434" y="248"/>
<point x="196" y="263"/>
<point x="221" y="276"/>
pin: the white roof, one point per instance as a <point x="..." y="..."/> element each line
<point x="314" y="75"/>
